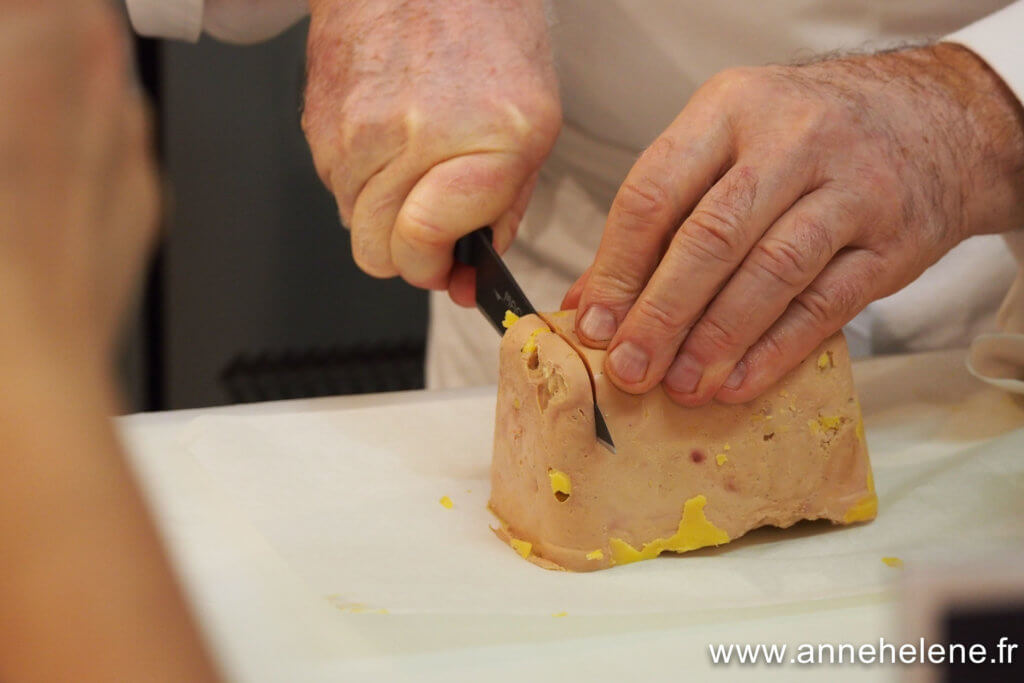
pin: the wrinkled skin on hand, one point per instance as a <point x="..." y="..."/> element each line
<point x="782" y="201"/>
<point x="78" y="187"/>
<point x="428" y="120"/>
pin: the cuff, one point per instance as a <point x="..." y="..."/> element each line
<point x="998" y="40"/>
<point x="174" y="19"/>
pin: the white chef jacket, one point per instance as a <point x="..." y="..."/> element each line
<point x="626" y="69"/>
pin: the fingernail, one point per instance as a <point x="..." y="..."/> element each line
<point x="629" y="362"/>
<point x="598" y="324"/>
<point x="684" y="374"/>
<point x="735" y="378"/>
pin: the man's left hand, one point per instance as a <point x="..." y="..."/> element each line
<point x="782" y="201"/>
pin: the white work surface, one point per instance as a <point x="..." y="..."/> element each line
<point x="312" y="544"/>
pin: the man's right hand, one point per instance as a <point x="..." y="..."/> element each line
<point x="428" y="120"/>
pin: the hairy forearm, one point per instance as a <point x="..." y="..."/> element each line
<point x="994" y="173"/>
<point x="413" y="33"/>
<point x="86" y="589"/>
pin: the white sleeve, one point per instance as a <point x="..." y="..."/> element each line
<point x="176" y="19"/>
<point x="235" y="21"/>
<point x="999" y="40"/>
<point x="250" y="21"/>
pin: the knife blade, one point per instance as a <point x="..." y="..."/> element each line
<point x="497" y="291"/>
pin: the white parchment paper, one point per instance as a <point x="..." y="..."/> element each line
<point x="350" y="501"/>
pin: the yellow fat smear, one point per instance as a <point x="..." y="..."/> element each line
<point x="595" y="554"/>
<point x="894" y="562"/>
<point x="560" y="614"/>
<point x="695" y="531"/>
<point x="825" y="423"/>
<point x="866" y="508"/>
<point x="524" y="548"/>
<point x="560" y="482"/>
<point x="446" y="502"/>
<point x="531" y="344"/>
<point x="510" y="319"/>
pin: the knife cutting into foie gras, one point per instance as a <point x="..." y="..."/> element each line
<point x="498" y="293"/>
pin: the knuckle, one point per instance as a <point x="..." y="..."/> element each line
<point x="613" y="285"/>
<point x="836" y="302"/>
<point x="662" y="317"/>
<point x="782" y="262"/>
<point x="711" y="233"/>
<point x="643" y="200"/>
<point x="716" y="333"/>
<point x="420" y="232"/>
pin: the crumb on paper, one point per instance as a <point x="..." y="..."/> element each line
<point x="893" y="562"/>
<point x="353" y="607"/>
<point x="446" y="502"/>
<point x="560" y="614"/>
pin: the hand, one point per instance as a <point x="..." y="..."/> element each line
<point x="78" y="190"/>
<point x="782" y="201"/>
<point x="428" y="120"/>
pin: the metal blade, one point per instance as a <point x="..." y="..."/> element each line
<point x="497" y="291"/>
<point x="604" y="437"/>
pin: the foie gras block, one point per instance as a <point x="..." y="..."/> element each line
<point x="682" y="478"/>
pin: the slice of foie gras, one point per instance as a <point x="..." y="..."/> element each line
<point x="682" y="478"/>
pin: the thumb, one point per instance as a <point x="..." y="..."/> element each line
<point x="454" y="198"/>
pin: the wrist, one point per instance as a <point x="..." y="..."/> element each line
<point x="992" y="144"/>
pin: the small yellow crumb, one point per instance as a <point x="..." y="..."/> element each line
<point x="560" y="614"/>
<point x="560" y="483"/>
<point x="726" y="447"/>
<point x="446" y="502"/>
<point x="524" y="548"/>
<point x="515" y="403"/>
<point x="595" y="554"/>
<point x="510" y="319"/>
<point x="825" y="360"/>
<point x="722" y="458"/>
<point x="894" y="562"/>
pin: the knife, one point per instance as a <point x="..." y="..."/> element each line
<point x="497" y="292"/>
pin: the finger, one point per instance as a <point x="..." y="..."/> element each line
<point x="661" y="188"/>
<point x="572" y="297"/>
<point x="704" y="253"/>
<point x="374" y="213"/>
<point x="462" y="282"/>
<point x="451" y="200"/>
<point x="780" y="266"/>
<point x="853" y="279"/>
<point x="506" y="227"/>
<point x="462" y="287"/>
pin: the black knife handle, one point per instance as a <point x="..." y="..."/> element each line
<point x="465" y="248"/>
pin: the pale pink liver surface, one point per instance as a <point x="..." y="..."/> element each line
<point x="795" y="453"/>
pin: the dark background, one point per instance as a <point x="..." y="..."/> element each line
<point x="253" y="294"/>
